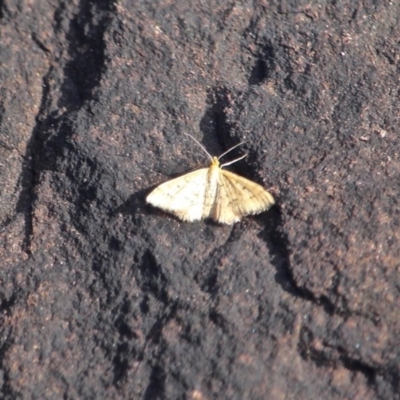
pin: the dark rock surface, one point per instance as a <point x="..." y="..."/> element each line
<point x="103" y="297"/>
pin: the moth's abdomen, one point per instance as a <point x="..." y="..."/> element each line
<point x="211" y="190"/>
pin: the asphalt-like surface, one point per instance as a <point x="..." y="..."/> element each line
<point x="105" y="297"/>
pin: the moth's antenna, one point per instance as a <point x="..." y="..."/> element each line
<point x="209" y="155"/>
<point x="233" y="161"/>
<point x="229" y="150"/>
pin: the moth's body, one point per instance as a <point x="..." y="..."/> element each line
<point x="211" y="193"/>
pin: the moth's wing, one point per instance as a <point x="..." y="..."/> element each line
<point x="182" y="196"/>
<point x="236" y="197"/>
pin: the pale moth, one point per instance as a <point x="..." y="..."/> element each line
<point x="211" y="193"/>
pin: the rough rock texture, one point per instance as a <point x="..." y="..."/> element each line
<point x="104" y="297"/>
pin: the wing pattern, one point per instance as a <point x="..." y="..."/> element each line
<point x="182" y="196"/>
<point x="236" y="197"/>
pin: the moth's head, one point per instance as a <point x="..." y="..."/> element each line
<point x="214" y="162"/>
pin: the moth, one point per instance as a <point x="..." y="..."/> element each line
<point x="211" y="193"/>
